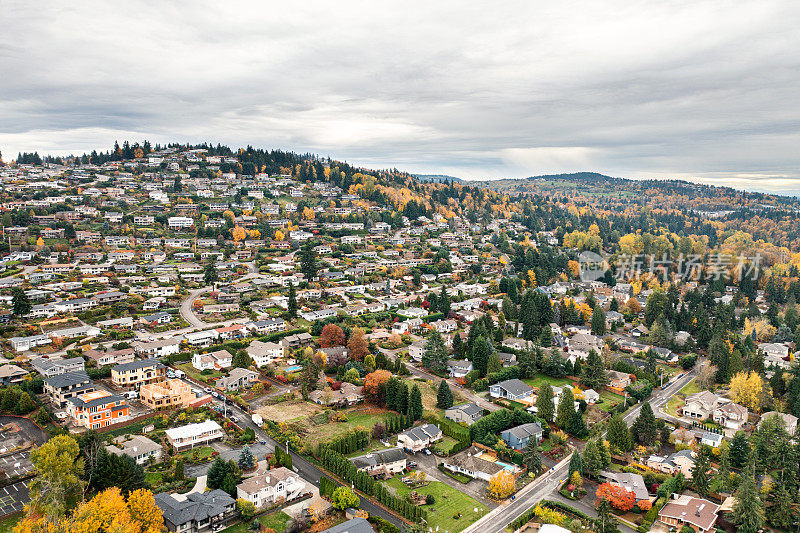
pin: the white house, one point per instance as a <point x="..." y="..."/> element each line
<point x="192" y="435"/>
<point x="276" y="485"/>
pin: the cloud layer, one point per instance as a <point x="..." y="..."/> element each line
<point x="695" y="89"/>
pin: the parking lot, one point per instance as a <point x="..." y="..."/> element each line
<point x="16" y="464"/>
<point x="13" y="498"/>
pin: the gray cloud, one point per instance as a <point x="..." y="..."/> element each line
<point x="705" y="90"/>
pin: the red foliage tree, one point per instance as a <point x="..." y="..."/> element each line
<point x="358" y="346"/>
<point x="619" y="498"/>
<point x="332" y="335"/>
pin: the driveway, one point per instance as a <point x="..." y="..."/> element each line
<point x="475" y="488"/>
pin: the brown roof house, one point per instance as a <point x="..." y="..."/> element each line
<point x="348" y="394"/>
<point x="697" y="513"/>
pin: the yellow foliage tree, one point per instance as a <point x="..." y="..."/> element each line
<point x="746" y="389"/>
<point x="308" y="213"/>
<point x="502" y="485"/>
<point x="238" y="234"/>
<point x="39" y="242"/>
<point x="279" y="236"/>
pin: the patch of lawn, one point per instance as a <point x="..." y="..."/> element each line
<point x="198" y="375"/>
<point x="7" y="523"/>
<point x="367" y="418"/>
<point x="540" y="379"/>
<point x="276" y="520"/>
<point x="448" y="503"/>
<point x="198" y="453"/>
<point x="609" y="399"/>
<point x="690" y="388"/>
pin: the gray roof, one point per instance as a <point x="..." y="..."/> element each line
<point x="197" y="506"/>
<point x="137" y="445"/>
<point x="356" y="525"/>
<point x="135" y="365"/>
<point x="525" y="431"/>
<point x="69" y="379"/>
<point x="469" y="409"/>
<point x="514" y="386"/>
<point x="391" y="455"/>
<point x="421" y="433"/>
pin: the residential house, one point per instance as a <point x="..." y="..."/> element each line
<point x="417" y="438"/>
<point x="264" y="353"/>
<point x="277" y="485"/>
<point x="468" y="413"/>
<point x="23" y="344"/>
<point x="382" y="463"/>
<point x="10" y="374"/>
<point x="196" y="512"/>
<point x="137" y="447"/>
<point x="55" y="367"/>
<point x="238" y="379"/>
<point x="631" y="482"/>
<point x="111" y="357"/>
<point x="97" y="409"/>
<point x="511" y="389"/>
<point x="682" y="461"/>
<point x="618" y="380"/>
<point x="192" y="435"/>
<point x="167" y="394"/>
<point x="701" y="405"/>
<point x="348" y="394"/>
<point x="59" y="389"/>
<point x="216" y="360"/>
<point x="697" y="513"/>
<point x="354" y="525"/>
<point x="459" y="369"/>
<point x="470" y="463"/>
<point x="137" y="373"/>
<point x="158" y="348"/>
<point x="730" y="415"/>
<point x="519" y="436"/>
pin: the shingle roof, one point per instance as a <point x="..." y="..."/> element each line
<point x="196" y="507"/>
<point x="67" y="380"/>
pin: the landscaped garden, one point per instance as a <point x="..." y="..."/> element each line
<point x="451" y="511"/>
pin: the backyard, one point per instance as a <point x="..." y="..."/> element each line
<point x="540" y="379"/>
<point x="197" y="375"/>
<point x="366" y="418"/>
<point x="276" y="521"/>
<point x="449" y="503"/>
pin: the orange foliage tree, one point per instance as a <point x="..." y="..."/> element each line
<point x="332" y="335"/>
<point x="619" y="498"/>
<point x="375" y="384"/>
<point x="358" y="346"/>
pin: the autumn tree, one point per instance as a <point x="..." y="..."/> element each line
<point x="332" y="335"/>
<point x="375" y="385"/>
<point x="344" y="498"/>
<point x="357" y="345"/>
<point x="746" y="389"/>
<point x="618" y="497"/>
<point x="57" y="471"/>
<point x="238" y="234"/>
<point x="502" y="485"/>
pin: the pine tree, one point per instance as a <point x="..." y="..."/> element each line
<point x="20" y="303"/>
<point x="566" y="408"/>
<point x="594" y="374"/>
<point x="545" y="407"/>
<point x="576" y="426"/>
<point x="575" y="464"/>
<point x="292" y="301"/>
<point x="605" y="521"/>
<point x="494" y="364"/>
<point x="598" y="321"/>
<point x="246" y="459"/>
<point x="308" y="261"/>
<point x="457" y="347"/>
<point x="480" y="355"/>
<point x="644" y="430"/>
<point x="748" y="510"/>
<point x="740" y="450"/>
<point x="392" y="391"/>
<point x="219" y="469"/>
<point x="241" y="360"/>
<point x="415" y="403"/>
<point x="444" y="396"/>
<point x="435" y="355"/>
<point x="531" y="457"/>
<point x="618" y="433"/>
<point x="403" y="399"/>
<point x="210" y="276"/>
<point x="700" y="479"/>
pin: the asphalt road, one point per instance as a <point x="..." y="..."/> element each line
<point x="546" y="486"/>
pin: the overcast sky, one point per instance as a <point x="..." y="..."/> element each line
<point x="708" y="90"/>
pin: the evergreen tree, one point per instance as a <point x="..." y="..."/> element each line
<point x="576" y="426"/>
<point x="216" y="474"/>
<point x="748" y="509"/>
<point x="531" y="457"/>
<point x="545" y="407"/>
<point x="575" y="464"/>
<point x="594" y="374"/>
<point x="605" y="522"/>
<point x="457" y="347"/>
<point x="435" y="356"/>
<point x="415" y="404"/>
<point x="246" y="459"/>
<point x="781" y="514"/>
<point x="721" y="480"/>
<point x="598" y="321"/>
<point x="241" y="360"/>
<point x="292" y="309"/>
<point x="403" y="399"/>
<point x="566" y="408"/>
<point x="700" y="478"/>
<point x="740" y="450"/>
<point x="444" y="396"/>
<point x="20" y="303"/>
<point x="392" y="392"/>
<point x="480" y="355"/>
<point x="308" y="261"/>
<point x="210" y="275"/>
<point x="618" y="433"/>
<point x="644" y="430"/>
<point x="494" y="364"/>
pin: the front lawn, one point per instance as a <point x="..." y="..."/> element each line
<point x="609" y="399"/>
<point x="198" y="375"/>
<point x="449" y="502"/>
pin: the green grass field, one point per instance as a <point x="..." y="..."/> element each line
<point x="610" y="399"/>
<point x="276" y="521"/>
<point x="539" y="379"/>
<point x="448" y="502"/>
<point x="367" y="419"/>
<point x="676" y="401"/>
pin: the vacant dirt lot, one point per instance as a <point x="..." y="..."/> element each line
<point x="285" y="411"/>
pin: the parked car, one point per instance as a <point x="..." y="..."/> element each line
<point x="234" y="419"/>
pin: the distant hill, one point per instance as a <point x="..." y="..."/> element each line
<point x="575" y="176"/>
<point x="437" y="178"/>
